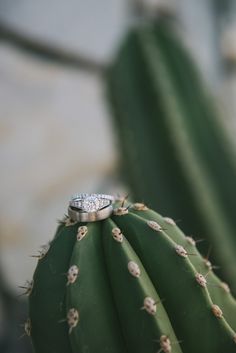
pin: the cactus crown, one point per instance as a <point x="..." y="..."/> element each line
<point x="131" y="283"/>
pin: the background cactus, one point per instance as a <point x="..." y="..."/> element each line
<point x="176" y="155"/>
<point x="130" y="283"/>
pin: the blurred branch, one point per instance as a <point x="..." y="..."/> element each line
<point x="49" y="52"/>
<point x="152" y="8"/>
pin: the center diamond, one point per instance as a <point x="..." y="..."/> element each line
<point x="91" y="204"/>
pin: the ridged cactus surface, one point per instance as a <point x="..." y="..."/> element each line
<point x="131" y="283"/>
<point x="175" y="153"/>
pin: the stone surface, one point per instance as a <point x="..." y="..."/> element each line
<point x="44" y="108"/>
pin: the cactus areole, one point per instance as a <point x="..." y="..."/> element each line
<point x="130" y="283"/>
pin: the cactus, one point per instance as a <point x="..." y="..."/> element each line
<point x="130" y="283"/>
<point x="175" y="153"/>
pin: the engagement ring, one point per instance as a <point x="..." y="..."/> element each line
<point x="90" y="207"/>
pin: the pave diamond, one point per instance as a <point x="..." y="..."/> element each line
<point x="91" y="204"/>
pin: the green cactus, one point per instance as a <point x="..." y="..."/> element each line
<point x="130" y="283"/>
<point x="175" y="153"/>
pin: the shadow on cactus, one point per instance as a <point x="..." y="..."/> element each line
<point x="174" y="151"/>
<point x="130" y="283"/>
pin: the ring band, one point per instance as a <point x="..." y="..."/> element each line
<point x="99" y="215"/>
<point x="85" y="207"/>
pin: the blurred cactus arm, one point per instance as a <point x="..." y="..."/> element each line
<point x="174" y="150"/>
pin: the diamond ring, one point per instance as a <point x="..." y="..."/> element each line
<point x="91" y="202"/>
<point x="90" y="207"/>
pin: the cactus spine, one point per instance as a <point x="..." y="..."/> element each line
<point x="130" y="283"/>
<point x="175" y="153"/>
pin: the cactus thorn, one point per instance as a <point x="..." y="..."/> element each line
<point x="165" y="344"/>
<point x="27" y="327"/>
<point x="149" y="305"/>
<point x="159" y="301"/>
<point x="199" y="240"/>
<point x="117" y="234"/>
<point x="72" y="274"/>
<point x="225" y="287"/>
<point x="207" y="273"/>
<point x="154" y="225"/>
<point x="134" y="269"/>
<point x="120" y="211"/>
<point x="62" y="320"/>
<point x="41" y="253"/>
<point x="28" y="288"/>
<point x="207" y="262"/>
<point x="63" y="220"/>
<point x="123" y="200"/>
<point x="139" y="207"/>
<point x="201" y="280"/>
<point x="191" y="241"/>
<point x="81" y="232"/>
<point x="118" y="197"/>
<point x="165" y="337"/>
<point x="68" y="221"/>
<point x="217" y="311"/>
<point x="206" y="259"/>
<point x="72" y="319"/>
<point x="181" y="251"/>
<point x="169" y="221"/>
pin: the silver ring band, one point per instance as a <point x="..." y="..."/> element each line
<point x="77" y="215"/>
